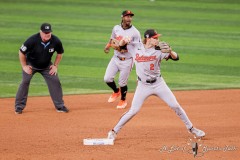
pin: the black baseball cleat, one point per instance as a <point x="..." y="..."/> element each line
<point x="63" y="109"/>
<point x="18" y="110"/>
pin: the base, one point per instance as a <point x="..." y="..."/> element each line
<point x="98" y="141"/>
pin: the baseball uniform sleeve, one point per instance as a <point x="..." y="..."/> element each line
<point x="27" y="45"/>
<point x="113" y="35"/>
<point x="164" y="55"/>
<point x="59" y="46"/>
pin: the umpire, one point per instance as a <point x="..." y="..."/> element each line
<point x="35" y="56"/>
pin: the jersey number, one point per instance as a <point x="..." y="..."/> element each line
<point x="151" y="66"/>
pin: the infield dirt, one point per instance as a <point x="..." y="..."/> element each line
<point x="155" y="133"/>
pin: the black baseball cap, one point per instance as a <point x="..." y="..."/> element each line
<point x="151" y="33"/>
<point x="127" y="12"/>
<point x="46" y="27"/>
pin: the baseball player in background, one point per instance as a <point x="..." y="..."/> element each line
<point x="122" y="60"/>
<point x="35" y="56"/>
<point x="148" y="56"/>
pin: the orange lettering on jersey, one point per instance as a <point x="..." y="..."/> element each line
<point x="145" y="58"/>
<point x="119" y="38"/>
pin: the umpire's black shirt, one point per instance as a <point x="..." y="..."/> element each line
<point x="38" y="53"/>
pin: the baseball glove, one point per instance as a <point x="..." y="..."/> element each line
<point x="164" y="47"/>
<point x="120" y="45"/>
<point x="115" y="44"/>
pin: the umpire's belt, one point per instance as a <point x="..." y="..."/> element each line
<point x="149" y="81"/>
<point x="121" y="58"/>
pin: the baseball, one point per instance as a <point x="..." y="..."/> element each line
<point x="127" y="39"/>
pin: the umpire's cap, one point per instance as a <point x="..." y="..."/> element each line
<point x="46" y="27"/>
<point x="151" y="33"/>
<point x="127" y="12"/>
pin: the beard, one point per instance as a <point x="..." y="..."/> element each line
<point x="128" y="23"/>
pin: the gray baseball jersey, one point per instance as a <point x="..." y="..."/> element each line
<point x="147" y="63"/>
<point x="118" y="33"/>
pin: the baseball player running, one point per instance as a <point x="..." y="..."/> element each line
<point x="35" y="56"/>
<point x="148" y="59"/>
<point x="122" y="60"/>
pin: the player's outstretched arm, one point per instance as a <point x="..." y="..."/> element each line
<point x="165" y="48"/>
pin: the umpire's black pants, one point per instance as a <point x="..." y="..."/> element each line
<point x="54" y="87"/>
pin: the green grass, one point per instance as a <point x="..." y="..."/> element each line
<point x="205" y="33"/>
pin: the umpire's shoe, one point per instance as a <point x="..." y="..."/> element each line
<point x="18" y="110"/>
<point x="63" y="109"/>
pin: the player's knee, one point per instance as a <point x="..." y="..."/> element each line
<point x="107" y="79"/>
<point x="25" y="81"/>
<point x="174" y="106"/>
<point x="133" y="111"/>
<point x="55" y="80"/>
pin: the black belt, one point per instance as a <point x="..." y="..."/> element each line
<point x="121" y="58"/>
<point x="149" y="81"/>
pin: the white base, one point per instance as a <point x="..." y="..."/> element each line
<point x="98" y="141"/>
